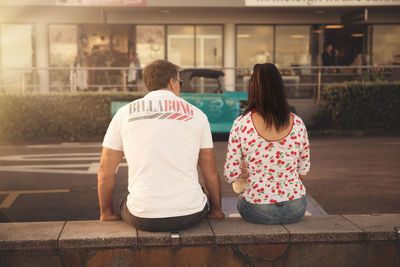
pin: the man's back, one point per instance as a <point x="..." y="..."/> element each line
<point x="161" y="137"/>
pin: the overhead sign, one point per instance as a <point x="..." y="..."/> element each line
<point x="361" y="16"/>
<point x="101" y="2"/>
<point x="320" y="3"/>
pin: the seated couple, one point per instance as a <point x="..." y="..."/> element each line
<point x="164" y="139"/>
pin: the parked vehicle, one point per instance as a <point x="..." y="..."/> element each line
<point x="205" y="89"/>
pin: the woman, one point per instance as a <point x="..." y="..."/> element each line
<point x="273" y="144"/>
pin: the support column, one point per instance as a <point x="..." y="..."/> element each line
<point x="229" y="56"/>
<point x="42" y="56"/>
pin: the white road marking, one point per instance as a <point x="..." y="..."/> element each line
<point x="87" y="168"/>
<point x="94" y="167"/>
<point x="13" y="195"/>
<point x="80" y="145"/>
<point x="54" y="157"/>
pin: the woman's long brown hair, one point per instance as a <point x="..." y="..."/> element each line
<point x="267" y="95"/>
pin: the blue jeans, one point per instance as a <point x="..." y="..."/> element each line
<point x="277" y="213"/>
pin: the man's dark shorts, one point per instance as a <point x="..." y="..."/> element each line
<point x="161" y="224"/>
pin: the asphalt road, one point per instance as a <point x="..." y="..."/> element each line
<point x="58" y="181"/>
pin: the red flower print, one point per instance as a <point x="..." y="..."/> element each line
<point x="271" y="170"/>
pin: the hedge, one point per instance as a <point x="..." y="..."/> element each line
<point x="57" y="117"/>
<point x="360" y="106"/>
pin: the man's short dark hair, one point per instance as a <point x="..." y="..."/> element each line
<point x="157" y="74"/>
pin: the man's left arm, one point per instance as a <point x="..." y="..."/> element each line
<point x="105" y="182"/>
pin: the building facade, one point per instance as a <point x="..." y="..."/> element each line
<point x="107" y="42"/>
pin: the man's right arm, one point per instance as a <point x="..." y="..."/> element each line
<point x="212" y="184"/>
<point x="105" y="182"/>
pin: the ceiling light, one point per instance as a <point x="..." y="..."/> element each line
<point x="243" y="35"/>
<point x="297" y="36"/>
<point x="357" y="35"/>
<point x="334" y="27"/>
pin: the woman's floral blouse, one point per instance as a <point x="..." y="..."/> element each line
<point x="273" y="166"/>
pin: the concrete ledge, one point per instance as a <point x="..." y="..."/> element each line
<point x="34" y="235"/>
<point x="340" y="240"/>
<point x="96" y="234"/>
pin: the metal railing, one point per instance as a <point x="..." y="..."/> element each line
<point x="301" y="82"/>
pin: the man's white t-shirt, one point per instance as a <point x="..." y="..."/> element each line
<point x="161" y="136"/>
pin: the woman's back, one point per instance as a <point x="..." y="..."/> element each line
<point x="270" y="132"/>
<point x="274" y="159"/>
<point x="272" y="144"/>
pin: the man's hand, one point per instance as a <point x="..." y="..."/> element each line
<point x="110" y="217"/>
<point x="212" y="186"/>
<point x="215" y="215"/>
<point x="105" y="182"/>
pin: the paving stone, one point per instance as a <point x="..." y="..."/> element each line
<point x="198" y="235"/>
<point x="30" y="235"/>
<point x="323" y="228"/>
<point x="95" y="234"/>
<point x="376" y="226"/>
<point x="153" y="238"/>
<point x="238" y="231"/>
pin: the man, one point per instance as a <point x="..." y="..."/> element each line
<point x="163" y="138"/>
<point x="328" y="58"/>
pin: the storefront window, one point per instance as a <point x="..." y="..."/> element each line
<point x="292" y="46"/>
<point x="63" y="43"/>
<point x="181" y="45"/>
<point x="103" y="47"/>
<point x="208" y="46"/>
<point x="150" y="43"/>
<point x="254" y="45"/>
<point x="16" y="52"/>
<point x="386" y="44"/>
